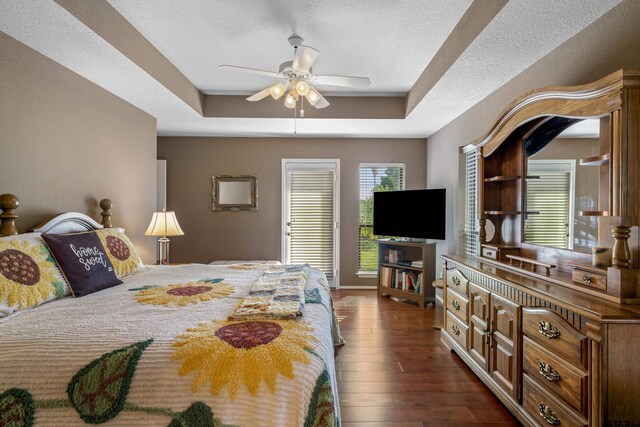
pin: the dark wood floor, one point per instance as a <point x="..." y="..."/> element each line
<point x="394" y="371"/>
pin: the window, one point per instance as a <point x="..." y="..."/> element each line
<point x="549" y="203"/>
<point x="374" y="177"/>
<point x="468" y="183"/>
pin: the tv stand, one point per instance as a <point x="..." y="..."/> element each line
<point x="406" y="270"/>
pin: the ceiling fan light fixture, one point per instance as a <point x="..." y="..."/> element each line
<point x="277" y="90"/>
<point x="297" y="79"/>
<point x="290" y="101"/>
<point x="302" y="87"/>
<point x="313" y="97"/>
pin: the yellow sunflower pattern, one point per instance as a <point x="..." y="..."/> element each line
<point x="28" y="275"/>
<point x="121" y="252"/>
<point x="184" y="293"/>
<point x="232" y="354"/>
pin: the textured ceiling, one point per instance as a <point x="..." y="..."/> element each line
<point x="389" y="41"/>
<point x="519" y="35"/>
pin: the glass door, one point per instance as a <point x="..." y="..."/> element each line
<point x="310" y="215"/>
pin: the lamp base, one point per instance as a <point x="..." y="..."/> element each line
<point x="163" y="251"/>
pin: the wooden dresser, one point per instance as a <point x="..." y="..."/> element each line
<point x="552" y="355"/>
<point x="547" y="313"/>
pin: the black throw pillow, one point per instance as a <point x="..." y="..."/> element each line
<point x="84" y="262"/>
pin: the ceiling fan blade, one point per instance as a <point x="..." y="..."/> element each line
<point x="260" y="95"/>
<point x="304" y="58"/>
<point x="250" y="70"/>
<point x="345" y="81"/>
<point x="322" y="102"/>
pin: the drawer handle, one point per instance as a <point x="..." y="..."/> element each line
<point x="548" y="372"/>
<point x="489" y="253"/>
<point x="586" y="279"/>
<point x="456" y="281"/>
<point x="455" y="330"/>
<point x="548" y="330"/>
<point x="548" y="415"/>
<point x="456" y="305"/>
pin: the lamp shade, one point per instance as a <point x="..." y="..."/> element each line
<point x="164" y="224"/>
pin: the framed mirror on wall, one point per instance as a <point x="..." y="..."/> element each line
<point x="235" y="193"/>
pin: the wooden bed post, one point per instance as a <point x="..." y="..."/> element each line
<point x="106" y="206"/>
<point x="8" y="202"/>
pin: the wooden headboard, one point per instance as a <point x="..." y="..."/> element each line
<point x="68" y="222"/>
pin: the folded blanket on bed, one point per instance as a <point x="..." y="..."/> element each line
<point x="277" y="294"/>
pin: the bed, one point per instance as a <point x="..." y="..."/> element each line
<point x="159" y="350"/>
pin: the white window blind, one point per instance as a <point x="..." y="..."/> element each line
<point x="548" y="206"/>
<point x="468" y="181"/>
<point x="374" y="177"/>
<point x="312" y="219"/>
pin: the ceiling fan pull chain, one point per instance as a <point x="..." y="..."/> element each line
<point x="295" y="116"/>
<point x="302" y="107"/>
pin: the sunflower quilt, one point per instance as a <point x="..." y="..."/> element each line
<point x="159" y="350"/>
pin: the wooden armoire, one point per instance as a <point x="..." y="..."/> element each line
<point x="554" y="331"/>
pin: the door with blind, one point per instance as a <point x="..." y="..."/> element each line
<point x="310" y="214"/>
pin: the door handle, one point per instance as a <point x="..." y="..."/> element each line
<point x="289" y="224"/>
<point x="288" y="233"/>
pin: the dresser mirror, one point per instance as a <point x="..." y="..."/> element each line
<point x="562" y="184"/>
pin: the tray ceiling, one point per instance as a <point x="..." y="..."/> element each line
<point x="391" y="42"/>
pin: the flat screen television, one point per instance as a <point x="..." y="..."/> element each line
<point x="410" y="213"/>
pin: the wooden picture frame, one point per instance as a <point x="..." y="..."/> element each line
<point x="235" y="193"/>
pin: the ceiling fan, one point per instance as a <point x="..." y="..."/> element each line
<point x="298" y="80"/>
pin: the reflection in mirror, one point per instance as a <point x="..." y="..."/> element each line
<point x="559" y="187"/>
<point x="234" y="193"/>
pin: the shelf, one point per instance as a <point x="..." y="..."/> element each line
<point x="593" y="213"/>
<point x="502" y="212"/>
<point x="501" y="178"/>
<point x="401" y="293"/>
<point x="595" y="160"/>
<point x="404" y="267"/>
<point x="394" y="271"/>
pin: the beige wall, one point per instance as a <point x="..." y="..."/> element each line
<point x="610" y="43"/>
<point x="67" y="143"/>
<point x="245" y="235"/>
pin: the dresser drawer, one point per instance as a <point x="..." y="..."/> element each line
<point x="457" y="305"/>
<point x="589" y="279"/>
<point x="457" y="281"/>
<point x="555" y="334"/>
<point x="490" y="253"/>
<point x="457" y="330"/>
<point x="550" y="371"/>
<point x="545" y="408"/>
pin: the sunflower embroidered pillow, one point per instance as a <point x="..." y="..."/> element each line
<point x="121" y="252"/>
<point x="29" y="275"/>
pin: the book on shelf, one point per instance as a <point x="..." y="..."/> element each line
<point x="393" y="256"/>
<point x="386" y="274"/>
<point x="417" y="264"/>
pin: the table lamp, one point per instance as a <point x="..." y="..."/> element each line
<point x="164" y="224"/>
